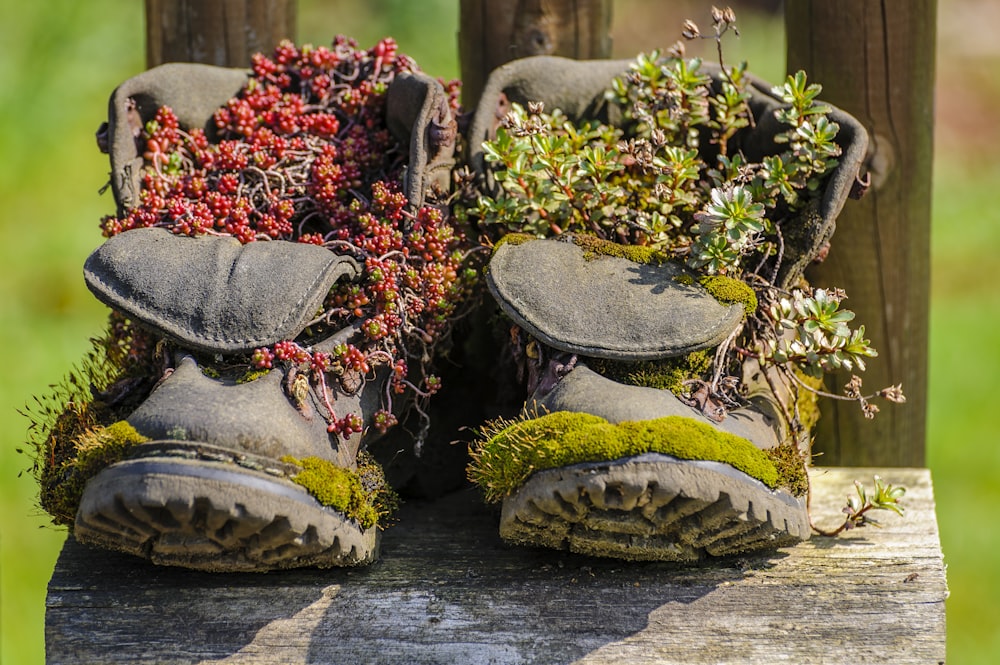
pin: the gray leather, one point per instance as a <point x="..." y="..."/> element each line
<point x="255" y="417"/>
<point x="418" y="114"/>
<point x="605" y="306"/>
<point x="211" y="293"/>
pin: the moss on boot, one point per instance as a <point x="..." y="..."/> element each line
<point x="361" y="495"/>
<point x="512" y="450"/>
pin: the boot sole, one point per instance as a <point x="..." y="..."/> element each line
<point x="652" y="507"/>
<point x="215" y="517"/>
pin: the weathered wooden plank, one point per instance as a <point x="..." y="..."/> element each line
<point x="447" y="590"/>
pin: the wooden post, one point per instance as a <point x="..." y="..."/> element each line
<point x="492" y="32"/>
<point x="876" y="61"/>
<point x="215" y="32"/>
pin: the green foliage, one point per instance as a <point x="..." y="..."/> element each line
<point x="821" y="340"/>
<point x="812" y="150"/>
<point x="728" y="228"/>
<point x="644" y="182"/>
<point x="669" y="177"/>
<point x="885" y="497"/>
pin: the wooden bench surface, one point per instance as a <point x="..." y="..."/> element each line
<point x="447" y="590"/>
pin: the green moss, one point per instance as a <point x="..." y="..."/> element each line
<point x="362" y="496"/>
<point x="511" y="451"/>
<point x="790" y="464"/>
<point x="685" y="279"/>
<point x="595" y="247"/>
<point x="513" y="239"/>
<point x="807" y="401"/>
<point x="665" y="374"/>
<point x="95" y="449"/>
<point x="729" y="290"/>
<point x="252" y="375"/>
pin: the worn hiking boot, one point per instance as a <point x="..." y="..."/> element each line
<point x="602" y="467"/>
<point x="642" y="246"/>
<point x="282" y="313"/>
<point x="212" y="485"/>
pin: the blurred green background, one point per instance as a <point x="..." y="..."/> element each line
<point x="59" y="60"/>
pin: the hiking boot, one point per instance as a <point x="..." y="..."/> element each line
<point x="212" y="486"/>
<point x="653" y="427"/>
<point x="254" y="355"/>
<point x="600" y="467"/>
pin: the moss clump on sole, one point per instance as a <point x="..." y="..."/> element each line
<point x="95" y="449"/>
<point x="362" y="495"/>
<point x="791" y="466"/>
<point x="510" y="451"/>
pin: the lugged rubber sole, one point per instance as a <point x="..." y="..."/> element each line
<point x="652" y="507"/>
<point x="217" y="517"/>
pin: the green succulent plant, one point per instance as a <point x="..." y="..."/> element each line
<point x="668" y="176"/>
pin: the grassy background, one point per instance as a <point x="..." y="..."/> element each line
<point x="59" y="61"/>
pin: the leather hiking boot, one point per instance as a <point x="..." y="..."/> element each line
<point x="651" y="221"/>
<point x="603" y="463"/>
<point x="235" y="471"/>
<point x="283" y="271"/>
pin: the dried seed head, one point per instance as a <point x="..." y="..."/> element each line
<point x="677" y="50"/>
<point x="690" y="30"/>
<point x="853" y="387"/>
<point x="869" y="409"/>
<point x="893" y="394"/>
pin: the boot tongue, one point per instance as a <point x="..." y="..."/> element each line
<point x="212" y="293"/>
<point x="578" y="299"/>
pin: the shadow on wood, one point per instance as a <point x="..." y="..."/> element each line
<point x="447" y="590"/>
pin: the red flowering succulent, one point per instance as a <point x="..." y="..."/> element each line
<point x="304" y="154"/>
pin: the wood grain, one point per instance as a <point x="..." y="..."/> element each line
<point x="875" y="60"/>
<point x="447" y="590"/>
<point x="216" y="32"/>
<point x="492" y="32"/>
